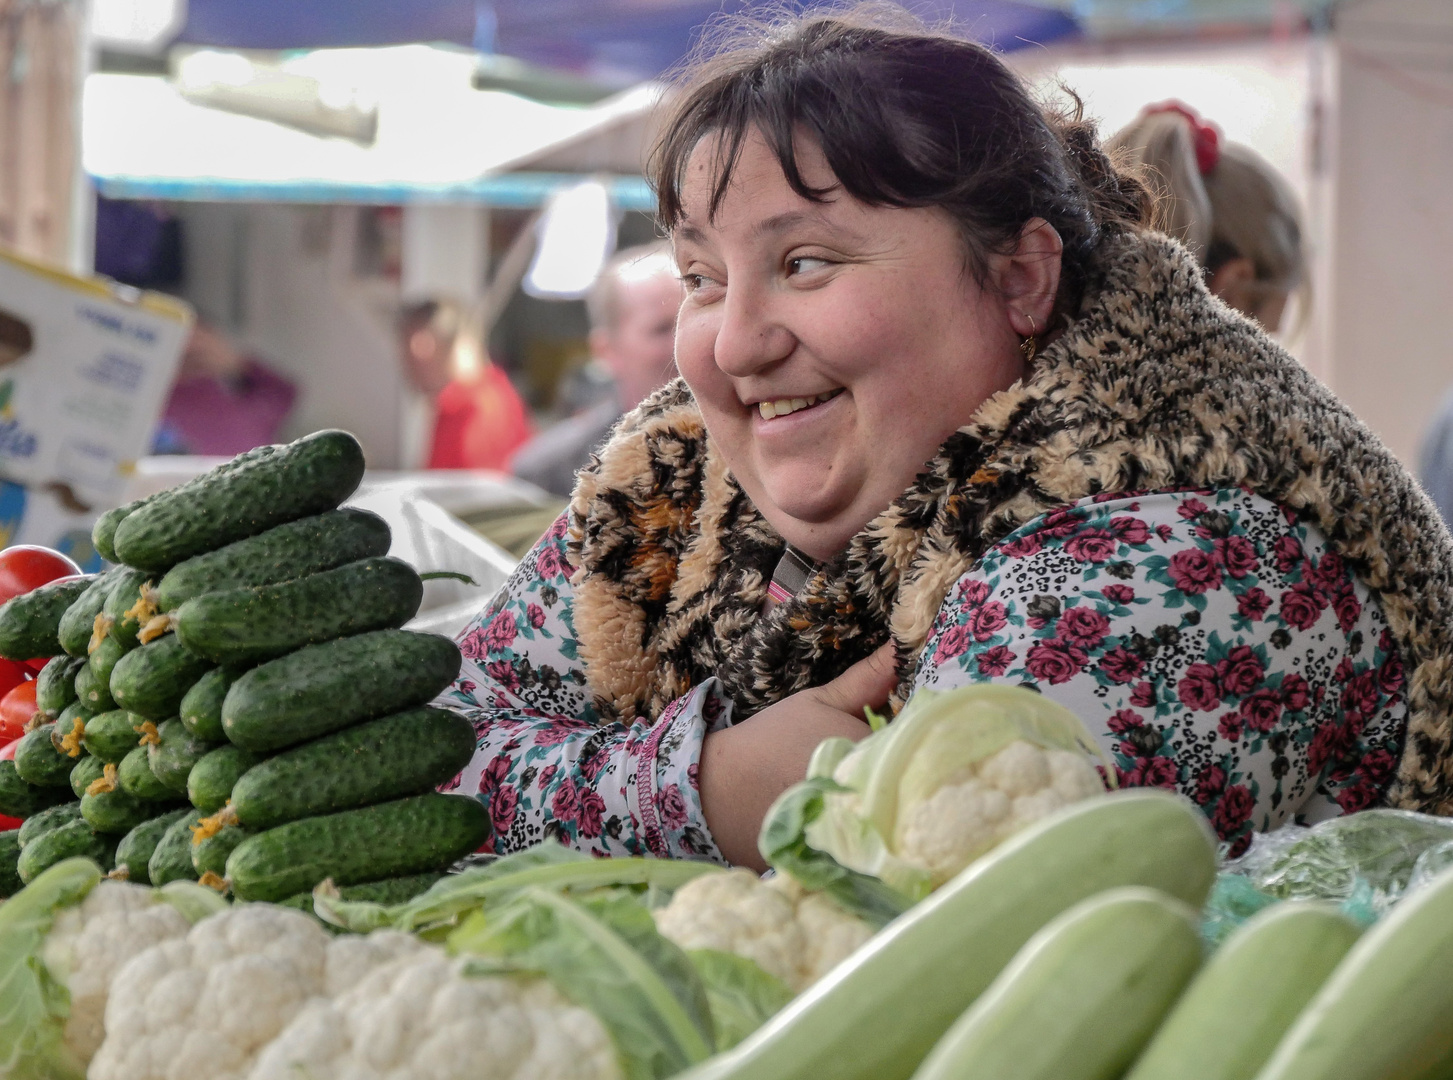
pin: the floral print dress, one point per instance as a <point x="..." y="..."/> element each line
<point x="1211" y="641"/>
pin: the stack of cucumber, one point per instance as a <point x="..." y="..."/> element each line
<point x="234" y="702"/>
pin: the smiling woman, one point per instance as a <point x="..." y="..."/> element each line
<point x="949" y="413"/>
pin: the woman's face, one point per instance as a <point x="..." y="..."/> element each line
<point x="832" y="346"/>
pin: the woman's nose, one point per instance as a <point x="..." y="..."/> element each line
<point x="751" y="338"/>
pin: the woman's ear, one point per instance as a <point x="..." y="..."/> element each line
<point x="1028" y="277"/>
<point x="1233" y="281"/>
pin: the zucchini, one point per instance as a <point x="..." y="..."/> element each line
<point x="392" y="839"/>
<point x="127" y="608"/>
<point x="91" y="692"/>
<point x="248" y="626"/>
<point x="408" y="753"/>
<point x="285" y="552"/>
<point x="30" y="622"/>
<point x="112" y="735"/>
<point x="152" y="680"/>
<point x="324" y="688"/>
<point x="55" y="686"/>
<point x="1081" y="998"/>
<point x="210" y="783"/>
<point x="66" y="842"/>
<point x="137" y="779"/>
<point x="79" y="621"/>
<point x="20" y="799"/>
<point x="10" y="882"/>
<point x="1229" y="1021"/>
<point x="136" y="847"/>
<point x="1384" y="1012"/>
<point x="209" y="856"/>
<point x="171" y="860"/>
<point x="87" y="771"/>
<point x="241" y="499"/>
<point x="116" y="811"/>
<point x="388" y="891"/>
<point x="47" y="820"/>
<point x="40" y="761"/>
<point x="174" y="753"/>
<point x="201" y="708"/>
<point x="878" y="1013"/>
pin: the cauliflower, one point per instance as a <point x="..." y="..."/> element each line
<point x="986" y="804"/>
<point x="419" y="1017"/>
<point x="788" y="932"/>
<point x="203" y="1005"/>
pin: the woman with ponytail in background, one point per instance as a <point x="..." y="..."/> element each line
<point x="1225" y="202"/>
<point x="951" y="411"/>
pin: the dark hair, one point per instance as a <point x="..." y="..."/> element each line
<point x="906" y="117"/>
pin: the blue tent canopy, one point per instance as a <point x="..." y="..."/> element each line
<point x="630" y="39"/>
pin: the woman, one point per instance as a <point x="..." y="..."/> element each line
<point x="1226" y="203"/>
<point x="1132" y="500"/>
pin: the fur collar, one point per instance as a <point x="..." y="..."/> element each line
<point x="1156" y="384"/>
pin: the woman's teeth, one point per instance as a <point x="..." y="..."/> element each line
<point x="783" y="406"/>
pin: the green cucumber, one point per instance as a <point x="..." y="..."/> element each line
<point x="1229" y="1021"/>
<point x="126" y="609"/>
<point x="103" y="661"/>
<point x="248" y="626"/>
<point x="388" y="891"/>
<point x="201" y="708"/>
<point x="30" y="622"/>
<point x="289" y="551"/>
<point x="303" y="478"/>
<point x="408" y="753"/>
<point x="67" y="842"/>
<point x="47" y="820"/>
<point x="103" y="533"/>
<point x="879" y="1013"/>
<point x="40" y="761"/>
<point x="324" y="688"/>
<point x="172" y="858"/>
<point x="392" y="839"/>
<point x="116" y="811"/>
<point x="91" y="692"/>
<point x="21" y="799"/>
<point x="87" y="771"/>
<point x="210" y="783"/>
<point x="66" y="721"/>
<point x="152" y="680"/>
<point x="137" y="779"/>
<point x="112" y="735"/>
<point x="1384" y="1012"/>
<point x="1081" y="998"/>
<point x="79" y="621"/>
<point x="209" y="856"/>
<point x="174" y="754"/>
<point x="10" y="882"/>
<point x="55" y="686"/>
<point x="136" y="847"/>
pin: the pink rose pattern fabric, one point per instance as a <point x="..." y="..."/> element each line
<point x="545" y="766"/>
<point x="1211" y="641"/>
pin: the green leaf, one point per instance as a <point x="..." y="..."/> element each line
<point x="602" y="952"/>
<point x="33" y="1004"/>
<point x="192" y="901"/>
<point x="550" y="866"/>
<point x="742" y="996"/>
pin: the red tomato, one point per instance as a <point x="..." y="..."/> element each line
<point x="25" y="567"/>
<point x="16" y="709"/>
<point x="9" y="823"/>
<point x="7" y="752"/>
<point x="12" y="674"/>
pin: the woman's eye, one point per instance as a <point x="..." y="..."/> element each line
<point x="805" y="264"/>
<point x="693" y="282"/>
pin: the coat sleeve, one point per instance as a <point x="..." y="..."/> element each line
<point x="545" y="765"/>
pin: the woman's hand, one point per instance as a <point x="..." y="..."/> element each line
<point x="745" y="767"/>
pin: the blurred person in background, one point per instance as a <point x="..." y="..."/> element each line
<point x="478" y="417"/>
<point x="632" y="331"/>
<point x="1225" y="202"/>
<point x="225" y="400"/>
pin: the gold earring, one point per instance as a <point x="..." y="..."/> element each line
<point x="1028" y="345"/>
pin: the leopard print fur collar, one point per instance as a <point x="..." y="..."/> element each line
<point x="1155" y="385"/>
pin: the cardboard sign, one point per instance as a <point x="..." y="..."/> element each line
<point x="85" y="368"/>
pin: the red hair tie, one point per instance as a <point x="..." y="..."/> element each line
<point x="1207" y="138"/>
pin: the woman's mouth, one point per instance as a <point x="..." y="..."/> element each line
<point x="770" y="410"/>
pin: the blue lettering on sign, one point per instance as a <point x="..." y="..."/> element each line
<point x="16" y="441"/>
<point x="117" y="370"/>
<point x="115" y="324"/>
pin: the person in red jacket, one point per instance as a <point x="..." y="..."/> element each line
<point x="479" y="419"/>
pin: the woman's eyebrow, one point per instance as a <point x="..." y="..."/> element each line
<point x="780" y="223"/>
